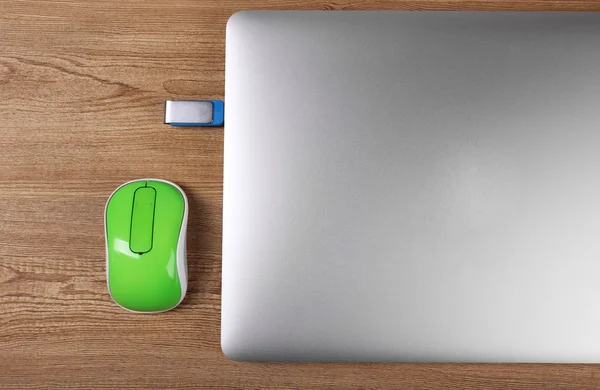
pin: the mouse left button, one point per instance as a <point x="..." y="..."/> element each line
<point x="142" y="220"/>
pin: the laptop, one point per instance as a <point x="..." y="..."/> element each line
<point x="412" y="187"/>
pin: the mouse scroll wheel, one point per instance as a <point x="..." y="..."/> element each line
<point x="142" y="220"/>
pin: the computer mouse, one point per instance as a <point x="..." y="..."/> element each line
<point x="145" y="224"/>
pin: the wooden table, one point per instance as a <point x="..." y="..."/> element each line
<point x="82" y="85"/>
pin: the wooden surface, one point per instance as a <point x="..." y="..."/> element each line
<point x="82" y="85"/>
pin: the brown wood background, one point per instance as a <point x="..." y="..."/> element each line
<point x="82" y="85"/>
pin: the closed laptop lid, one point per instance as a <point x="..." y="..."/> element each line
<point x="412" y="186"/>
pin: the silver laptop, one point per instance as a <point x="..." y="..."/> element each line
<point x="412" y="186"/>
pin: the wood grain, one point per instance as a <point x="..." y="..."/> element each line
<point x="82" y="85"/>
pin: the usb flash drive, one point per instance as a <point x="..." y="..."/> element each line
<point x="194" y="112"/>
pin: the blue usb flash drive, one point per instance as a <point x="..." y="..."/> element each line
<point x="194" y="112"/>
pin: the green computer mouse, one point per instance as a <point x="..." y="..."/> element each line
<point x="145" y="224"/>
